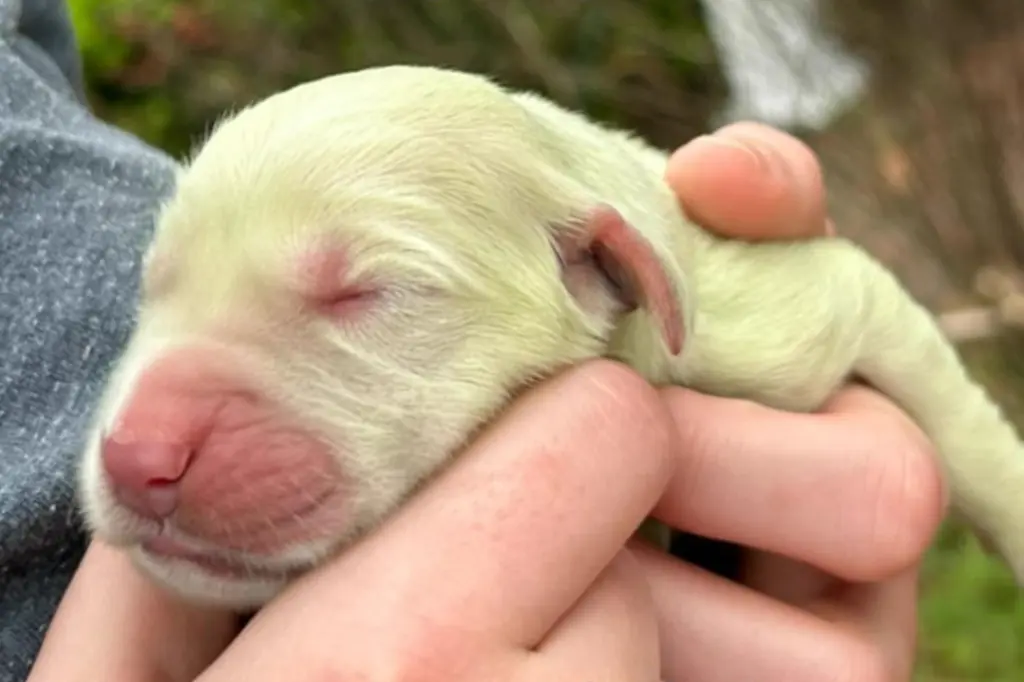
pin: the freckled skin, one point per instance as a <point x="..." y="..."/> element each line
<point x="356" y="274"/>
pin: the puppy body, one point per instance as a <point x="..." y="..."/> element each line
<point x="357" y="274"/>
<point x="786" y="324"/>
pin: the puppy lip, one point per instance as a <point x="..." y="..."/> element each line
<point x="165" y="548"/>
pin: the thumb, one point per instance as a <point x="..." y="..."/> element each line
<point x="115" y="624"/>
<point x="778" y="176"/>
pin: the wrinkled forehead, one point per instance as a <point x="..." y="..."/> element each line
<point x="229" y="249"/>
<point x="382" y="199"/>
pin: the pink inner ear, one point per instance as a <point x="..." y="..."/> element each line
<point x="634" y="259"/>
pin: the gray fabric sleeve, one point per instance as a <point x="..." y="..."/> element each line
<point x="76" y="204"/>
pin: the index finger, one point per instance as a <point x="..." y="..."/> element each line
<point x="750" y="181"/>
<point x="855" y="492"/>
<point x="517" y="529"/>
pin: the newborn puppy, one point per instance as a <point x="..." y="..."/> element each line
<point x="357" y="274"/>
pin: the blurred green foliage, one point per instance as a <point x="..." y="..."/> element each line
<point x="166" y="70"/>
<point x="972" y="619"/>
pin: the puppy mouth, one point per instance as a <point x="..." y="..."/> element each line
<point x="164" y="548"/>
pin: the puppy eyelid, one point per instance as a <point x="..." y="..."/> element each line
<point x="347" y="302"/>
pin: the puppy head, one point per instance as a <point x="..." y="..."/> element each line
<point x="333" y="303"/>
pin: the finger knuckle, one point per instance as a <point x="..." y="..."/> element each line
<point x="907" y="497"/>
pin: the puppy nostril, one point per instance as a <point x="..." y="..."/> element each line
<point x="144" y="475"/>
<point x="162" y="497"/>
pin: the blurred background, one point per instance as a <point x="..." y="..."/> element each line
<point x="916" y="108"/>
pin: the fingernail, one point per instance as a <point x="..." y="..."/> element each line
<point x="754" y="153"/>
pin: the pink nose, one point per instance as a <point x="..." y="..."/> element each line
<point x="144" y="475"/>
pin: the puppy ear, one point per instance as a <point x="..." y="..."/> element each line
<point x="606" y="252"/>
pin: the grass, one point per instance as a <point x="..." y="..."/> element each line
<point x="971" y="617"/>
<point x="971" y="614"/>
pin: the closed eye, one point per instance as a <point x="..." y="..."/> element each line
<point x="347" y="303"/>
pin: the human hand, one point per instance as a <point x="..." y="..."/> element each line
<point x="842" y="504"/>
<point x="752" y="182"/>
